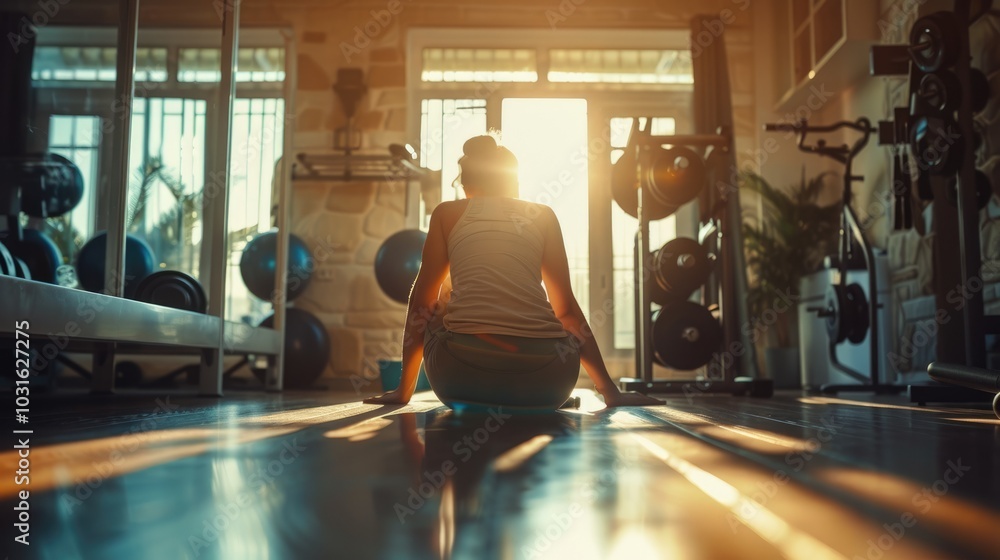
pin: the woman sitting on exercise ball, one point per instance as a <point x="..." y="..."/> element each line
<point x="498" y="340"/>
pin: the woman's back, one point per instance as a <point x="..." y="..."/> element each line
<point x="495" y="250"/>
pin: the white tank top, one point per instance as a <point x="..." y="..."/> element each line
<point x="495" y="251"/>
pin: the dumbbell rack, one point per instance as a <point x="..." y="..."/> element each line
<point x="63" y="319"/>
<point x="645" y="146"/>
<point x="961" y="339"/>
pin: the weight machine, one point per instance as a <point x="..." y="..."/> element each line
<point x="850" y="315"/>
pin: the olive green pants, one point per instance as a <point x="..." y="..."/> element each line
<point x="500" y="370"/>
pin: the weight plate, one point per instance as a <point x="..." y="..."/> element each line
<point x="677" y="176"/>
<point x="941" y="91"/>
<point x="680" y="267"/>
<point x="685" y="336"/>
<point x="625" y="189"/>
<point x="858" y="320"/>
<point x="172" y="288"/>
<point x="934" y="42"/>
<point x="936" y="144"/>
<point x="836" y="327"/>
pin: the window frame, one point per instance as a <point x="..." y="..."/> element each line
<point x="604" y="101"/>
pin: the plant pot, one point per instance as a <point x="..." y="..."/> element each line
<point x="782" y="365"/>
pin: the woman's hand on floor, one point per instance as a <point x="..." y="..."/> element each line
<point x="631" y="399"/>
<point x="392" y="397"/>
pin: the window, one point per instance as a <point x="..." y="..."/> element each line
<point x="252" y="65"/>
<point x="77" y="138"/>
<point x="445" y="125"/>
<point x="620" y="66"/>
<point x="95" y="64"/>
<point x="258" y="130"/>
<point x="479" y="65"/>
<point x="167" y="163"/>
<point x="623" y="229"/>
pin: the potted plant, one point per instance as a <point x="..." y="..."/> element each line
<point x="786" y="242"/>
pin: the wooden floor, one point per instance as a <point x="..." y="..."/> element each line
<point x="314" y="475"/>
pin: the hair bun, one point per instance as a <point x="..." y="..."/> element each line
<point x="479" y="146"/>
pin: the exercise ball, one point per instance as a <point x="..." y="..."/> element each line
<point x="307" y="348"/>
<point x="41" y="255"/>
<point x="996" y="405"/>
<point x="259" y="264"/>
<point x="397" y="263"/>
<point x="90" y="263"/>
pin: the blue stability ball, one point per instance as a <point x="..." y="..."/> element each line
<point x="259" y="264"/>
<point x="307" y="347"/>
<point x="398" y="261"/>
<point x="90" y="263"/>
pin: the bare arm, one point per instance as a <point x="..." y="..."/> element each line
<point x="420" y="309"/>
<point x="555" y="274"/>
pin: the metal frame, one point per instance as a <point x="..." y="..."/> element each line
<point x="107" y="323"/>
<point x="645" y="145"/>
<point x="961" y="344"/>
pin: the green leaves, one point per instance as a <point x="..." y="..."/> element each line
<point x="789" y="239"/>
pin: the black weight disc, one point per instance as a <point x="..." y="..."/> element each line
<point x="685" y="336"/>
<point x="934" y="42"/>
<point x="936" y="143"/>
<point x="625" y="190"/>
<point x="677" y="176"/>
<point x="680" y="267"/>
<point x="859" y="321"/>
<point x="836" y="326"/>
<point x="941" y="91"/>
<point x="172" y="288"/>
